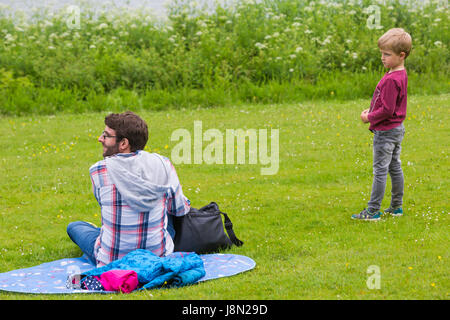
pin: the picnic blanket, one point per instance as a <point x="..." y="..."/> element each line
<point x="51" y="277"/>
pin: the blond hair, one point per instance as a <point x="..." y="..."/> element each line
<point x="397" y="40"/>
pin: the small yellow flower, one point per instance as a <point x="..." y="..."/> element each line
<point x="433" y="284"/>
<point x="166" y="146"/>
<point x="338" y="134"/>
<point x="410" y="268"/>
<point x="439" y="257"/>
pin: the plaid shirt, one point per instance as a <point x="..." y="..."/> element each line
<point x="123" y="229"/>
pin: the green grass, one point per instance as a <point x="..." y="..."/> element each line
<point x="296" y="224"/>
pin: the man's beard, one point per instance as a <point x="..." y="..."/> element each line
<point x="110" y="151"/>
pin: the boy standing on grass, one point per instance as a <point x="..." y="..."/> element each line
<point x="386" y="114"/>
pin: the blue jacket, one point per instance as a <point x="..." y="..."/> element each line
<point x="175" y="270"/>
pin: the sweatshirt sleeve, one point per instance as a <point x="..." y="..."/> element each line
<point x="388" y="95"/>
<point x="179" y="204"/>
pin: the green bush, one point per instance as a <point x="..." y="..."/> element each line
<point x="236" y="54"/>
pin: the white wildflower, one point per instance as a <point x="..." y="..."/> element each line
<point x="102" y="26"/>
<point x="326" y="40"/>
<point x="9" y="37"/>
<point x="260" y="45"/>
<point x="48" y="24"/>
<point x="298" y="49"/>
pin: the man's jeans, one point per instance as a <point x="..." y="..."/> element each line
<point x="386" y="158"/>
<point x="84" y="235"/>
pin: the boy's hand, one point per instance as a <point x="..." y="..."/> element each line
<point x="364" y="115"/>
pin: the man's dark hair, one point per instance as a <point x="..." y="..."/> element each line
<point x="129" y="125"/>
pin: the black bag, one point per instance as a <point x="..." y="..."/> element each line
<point x="201" y="231"/>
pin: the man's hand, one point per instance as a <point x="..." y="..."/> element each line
<point x="364" y="115"/>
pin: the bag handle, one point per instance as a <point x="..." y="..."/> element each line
<point x="229" y="228"/>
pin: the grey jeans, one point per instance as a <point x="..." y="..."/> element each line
<point x="386" y="158"/>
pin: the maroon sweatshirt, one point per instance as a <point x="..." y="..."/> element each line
<point x="388" y="105"/>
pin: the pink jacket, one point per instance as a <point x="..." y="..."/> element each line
<point x="124" y="281"/>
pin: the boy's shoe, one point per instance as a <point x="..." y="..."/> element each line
<point x="367" y="215"/>
<point x="396" y="212"/>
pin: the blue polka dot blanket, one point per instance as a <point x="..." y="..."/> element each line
<point x="57" y="277"/>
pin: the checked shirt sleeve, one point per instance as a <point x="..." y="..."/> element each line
<point x="99" y="179"/>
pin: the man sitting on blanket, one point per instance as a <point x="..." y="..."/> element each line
<point x="138" y="192"/>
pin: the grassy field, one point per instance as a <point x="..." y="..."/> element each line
<point x="295" y="224"/>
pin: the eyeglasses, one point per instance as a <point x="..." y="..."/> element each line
<point x="105" y="135"/>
